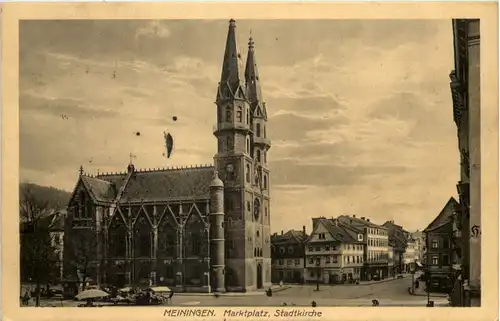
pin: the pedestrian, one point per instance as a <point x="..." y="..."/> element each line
<point x="313" y="304"/>
<point x="281" y="283"/>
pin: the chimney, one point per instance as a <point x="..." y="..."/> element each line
<point x="281" y="232"/>
<point x="363" y="218"/>
<point x="304" y="229"/>
<point x="354" y="216"/>
<point x="368" y="220"/>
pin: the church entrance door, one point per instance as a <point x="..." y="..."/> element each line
<point x="259" y="276"/>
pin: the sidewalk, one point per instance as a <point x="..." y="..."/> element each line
<point x="389" y="279"/>
<point x="275" y="288"/>
<point x="420" y="292"/>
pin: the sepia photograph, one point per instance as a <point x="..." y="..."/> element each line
<point x="236" y="162"/>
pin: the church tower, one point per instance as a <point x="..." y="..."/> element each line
<point x="246" y="207"/>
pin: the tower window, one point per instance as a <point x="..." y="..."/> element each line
<point x="248" y="118"/>
<point x="239" y="115"/>
<point x="229" y="143"/>
<point x="265" y="182"/>
<point x="248" y="174"/>
<point x="258" y="156"/>
<point x="265" y="157"/>
<point x="228" y="114"/>
<point x="248" y="145"/>
<point x="257" y="129"/>
<point x="265" y="132"/>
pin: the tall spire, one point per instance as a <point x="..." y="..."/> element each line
<point x="254" y="91"/>
<point x="232" y="68"/>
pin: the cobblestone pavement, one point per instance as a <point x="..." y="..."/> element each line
<point x="391" y="293"/>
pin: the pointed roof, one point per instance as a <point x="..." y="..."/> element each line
<point x="291" y="235"/>
<point x="156" y="185"/>
<point x="231" y="79"/>
<point x="252" y="79"/>
<point x="444" y="216"/>
<point x="338" y="232"/>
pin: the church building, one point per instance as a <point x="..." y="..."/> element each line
<point x="196" y="228"/>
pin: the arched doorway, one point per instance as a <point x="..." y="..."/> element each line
<point x="259" y="276"/>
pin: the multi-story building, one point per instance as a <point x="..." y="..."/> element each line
<point x="376" y="246"/>
<point x="398" y="237"/>
<point x="288" y="256"/>
<point x="409" y="256"/>
<point x="439" y="249"/>
<point x="466" y="94"/>
<point x="390" y="259"/>
<point x="194" y="228"/>
<point x="418" y="236"/>
<point x="334" y="253"/>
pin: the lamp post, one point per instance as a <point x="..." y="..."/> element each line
<point x="318" y="263"/>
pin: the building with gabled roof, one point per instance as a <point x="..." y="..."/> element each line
<point x="439" y="248"/>
<point x="376" y="255"/>
<point x="288" y="256"/>
<point x="196" y="228"/>
<point x="334" y="253"/>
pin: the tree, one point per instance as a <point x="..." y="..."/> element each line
<point x="38" y="258"/>
<point x="84" y="256"/>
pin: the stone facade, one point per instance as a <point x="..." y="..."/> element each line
<point x="199" y="228"/>
<point x="288" y="256"/>
<point x="465" y="89"/>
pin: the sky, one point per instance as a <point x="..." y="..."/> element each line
<point x="360" y="111"/>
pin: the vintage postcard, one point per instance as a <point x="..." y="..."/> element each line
<point x="225" y="161"/>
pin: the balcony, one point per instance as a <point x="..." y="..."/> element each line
<point x="262" y="141"/>
<point x="228" y="126"/>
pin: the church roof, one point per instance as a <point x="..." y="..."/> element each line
<point x="151" y="185"/>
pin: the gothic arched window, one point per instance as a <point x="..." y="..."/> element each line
<point x="248" y="118"/>
<point x="265" y="132"/>
<point x="82" y="206"/>
<point x="229" y="143"/>
<point x="239" y="115"/>
<point x="228" y="114"/>
<point x="257" y="129"/>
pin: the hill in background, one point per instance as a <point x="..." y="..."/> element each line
<point x="57" y="198"/>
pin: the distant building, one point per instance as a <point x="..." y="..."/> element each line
<point x="288" y="256"/>
<point x="390" y="259"/>
<point x="439" y="248"/>
<point x="334" y="253"/>
<point x="409" y="256"/>
<point x="376" y="246"/>
<point x="419" y="238"/>
<point x="465" y="88"/>
<point x="399" y="238"/>
<point x="53" y="223"/>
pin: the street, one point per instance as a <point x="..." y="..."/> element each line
<point x="390" y="293"/>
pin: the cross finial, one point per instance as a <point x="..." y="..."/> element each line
<point x="81" y="170"/>
<point x="131" y="156"/>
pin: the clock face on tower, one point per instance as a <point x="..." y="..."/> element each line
<point x="229" y="168"/>
<point x="256" y="209"/>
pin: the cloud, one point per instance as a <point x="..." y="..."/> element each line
<point x="355" y="118"/>
<point x="153" y="29"/>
